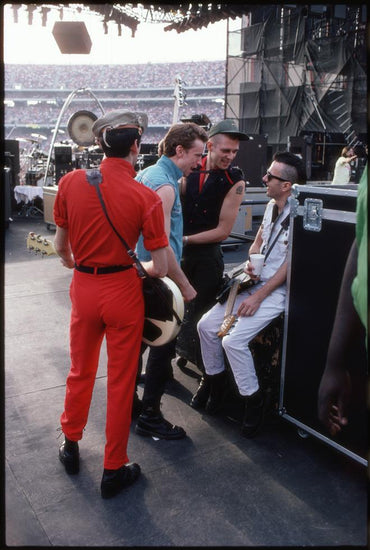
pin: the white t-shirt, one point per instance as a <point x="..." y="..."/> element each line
<point x="270" y="229"/>
<point x="342" y="172"/>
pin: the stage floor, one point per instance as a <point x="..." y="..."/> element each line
<point x="213" y="488"/>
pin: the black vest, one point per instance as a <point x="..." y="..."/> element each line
<point x="201" y="209"/>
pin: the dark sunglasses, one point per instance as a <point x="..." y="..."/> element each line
<point x="271" y="176"/>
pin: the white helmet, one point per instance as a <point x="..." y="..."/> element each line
<point x="161" y="325"/>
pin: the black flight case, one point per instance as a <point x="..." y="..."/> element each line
<point x="323" y="219"/>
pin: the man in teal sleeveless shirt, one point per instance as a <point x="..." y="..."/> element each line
<point x="182" y="149"/>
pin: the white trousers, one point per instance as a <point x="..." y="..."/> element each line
<point x="236" y="342"/>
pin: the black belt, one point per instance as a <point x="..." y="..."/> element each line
<point x="102" y="270"/>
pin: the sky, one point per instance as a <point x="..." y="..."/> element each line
<point x="35" y="44"/>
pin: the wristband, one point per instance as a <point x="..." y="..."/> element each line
<point x="186" y="238"/>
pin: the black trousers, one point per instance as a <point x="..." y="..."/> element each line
<point x="204" y="266"/>
<point x="158" y="371"/>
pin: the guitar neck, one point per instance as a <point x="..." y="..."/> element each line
<point x="40" y="245"/>
<point x="231" y="298"/>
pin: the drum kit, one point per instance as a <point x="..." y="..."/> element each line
<point x="87" y="155"/>
<point x="80" y="130"/>
<point x="32" y="159"/>
<point x="34" y="165"/>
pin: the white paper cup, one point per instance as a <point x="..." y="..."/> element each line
<point x="257" y="261"/>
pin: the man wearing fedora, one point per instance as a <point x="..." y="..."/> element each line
<point x="106" y="291"/>
<point x="211" y="198"/>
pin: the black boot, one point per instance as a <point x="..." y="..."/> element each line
<point x="69" y="456"/>
<point x="217" y="392"/>
<point x="253" y="414"/>
<point x="200" y="397"/>
<point x="152" y="423"/>
<point x="113" y="481"/>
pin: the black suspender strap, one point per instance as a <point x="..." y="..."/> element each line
<point x="94" y="177"/>
<point x="283" y="227"/>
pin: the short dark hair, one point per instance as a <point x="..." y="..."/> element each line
<point x="294" y="171"/>
<point x="184" y="133"/>
<point x="120" y="141"/>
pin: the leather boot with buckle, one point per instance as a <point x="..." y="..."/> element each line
<point x="69" y="456"/>
<point x="253" y="414"/>
<point x="201" y="396"/>
<point x="114" y="481"/>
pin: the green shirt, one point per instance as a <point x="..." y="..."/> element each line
<point x="359" y="285"/>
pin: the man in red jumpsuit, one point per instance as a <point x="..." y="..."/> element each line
<point x="106" y="291"/>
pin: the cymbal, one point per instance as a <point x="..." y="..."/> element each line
<point x="39" y="136"/>
<point x="21" y="139"/>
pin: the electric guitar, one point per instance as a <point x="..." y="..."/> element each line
<point x="179" y="95"/>
<point x="238" y="281"/>
<point x="40" y="245"/>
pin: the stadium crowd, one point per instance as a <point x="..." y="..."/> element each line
<point x="35" y="95"/>
<point x="27" y="113"/>
<point x="159" y="114"/>
<point x="147" y="75"/>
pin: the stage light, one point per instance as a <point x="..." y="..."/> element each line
<point x="105" y="27"/>
<point x="119" y="29"/>
<point x="44" y="12"/>
<point x="30" y="9"/>
<point x="15" y="13"/>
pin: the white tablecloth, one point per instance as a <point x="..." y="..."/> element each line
<point x="26" y="193"/>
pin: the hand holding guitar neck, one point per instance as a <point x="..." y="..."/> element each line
<point x="229" y="318"/>
<point x="239" y="282"/>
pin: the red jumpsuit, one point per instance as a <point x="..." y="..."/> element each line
<point x="109" y="305"/>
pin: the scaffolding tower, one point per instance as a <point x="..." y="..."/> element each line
<point x="300" y="71"/>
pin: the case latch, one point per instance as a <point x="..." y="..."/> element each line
<point x="312" y="214"/>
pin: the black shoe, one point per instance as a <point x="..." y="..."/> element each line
<point x="155" y="425"/>
<point x="217" y="393"/>
<point x="113" y="481"/>
<point x="253" y="415"/>
<point x="69" y="456"/>
<point x="200" y="397"/>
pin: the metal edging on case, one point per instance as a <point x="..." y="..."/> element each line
<point x="286" y="312"/>
<point x="346" y="191"/>
<point x="325" y="439"/>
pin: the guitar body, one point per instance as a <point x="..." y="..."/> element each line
<point x="228" y="322"/>
<point x="237" y="282"/>
<point x="160" y="324"/>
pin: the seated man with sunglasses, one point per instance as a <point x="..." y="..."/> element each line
<point x="256" y="306"/>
